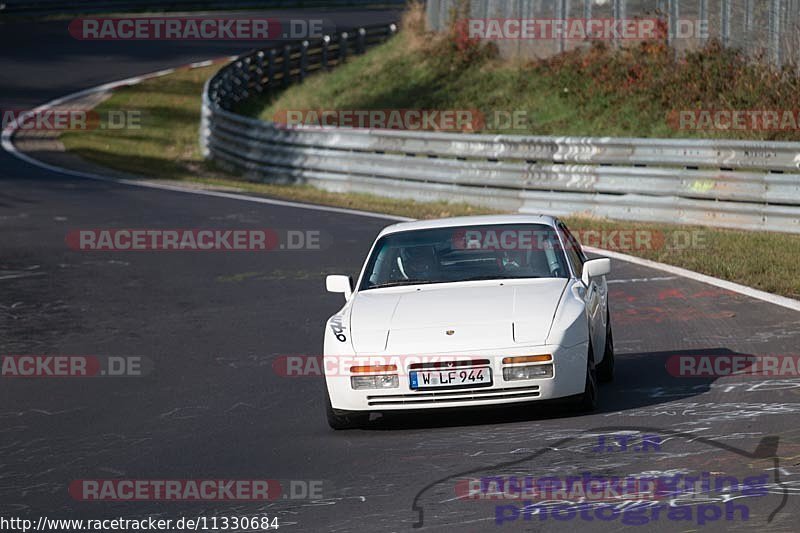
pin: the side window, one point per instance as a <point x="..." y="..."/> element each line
<point x="574" y="251"/>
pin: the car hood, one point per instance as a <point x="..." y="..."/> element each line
<point x="454" y="317"/>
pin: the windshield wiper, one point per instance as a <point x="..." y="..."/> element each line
<point x="400" y="283"/>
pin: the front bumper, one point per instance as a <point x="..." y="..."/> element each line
<point x="569" y="379"/>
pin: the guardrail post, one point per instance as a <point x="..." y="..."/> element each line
<point x="618" y="14"/>
<point x="674" y="14"/>
<point x="260" y="71"/>
<point x="246" y="76"/>
<point x="361" y="42"/>
<point x="326" y="39"/>
<point x="701" y="27"/>
<point x="748" y="16"/>
<point x="774" y="31"/>
<point x="560" y="15"/>
<point x="287" y="59"/>
<point x="343" y="47"/>
<point x="205" y="124"/>
<point x="239" y="80"/>
<point x="271" y="56"/>
<point x="303" y="60"/>
<point x="726" y="23"/>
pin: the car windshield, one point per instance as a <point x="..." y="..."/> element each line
<point x="472" y="253"/>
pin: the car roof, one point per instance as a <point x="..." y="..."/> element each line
<point x="482" y="220"/>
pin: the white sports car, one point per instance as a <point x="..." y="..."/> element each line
<point x="465" y="312"/>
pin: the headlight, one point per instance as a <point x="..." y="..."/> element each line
<point x="390" y="381"/>
<point x="516" y="373"/>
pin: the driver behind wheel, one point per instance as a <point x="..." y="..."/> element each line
<point x="418" y="262"/>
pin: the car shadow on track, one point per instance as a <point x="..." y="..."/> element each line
<point x="642" y="379"/>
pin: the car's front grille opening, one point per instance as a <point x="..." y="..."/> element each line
<point x="449" y="364"/>
<point x="520" y="393"/>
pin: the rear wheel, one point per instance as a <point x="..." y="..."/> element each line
<point x="339" y="420"/>
<point x="605" y="370"/>
<point x="587" y="402"/>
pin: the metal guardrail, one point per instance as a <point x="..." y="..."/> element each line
<point x="46" y="7"/>
<point x="738" y="184"/>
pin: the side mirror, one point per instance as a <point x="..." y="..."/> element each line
<point x="341" y="284"/>
<point x="595" y="268"/>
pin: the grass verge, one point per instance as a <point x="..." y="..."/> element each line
<point x="165" y="147"/>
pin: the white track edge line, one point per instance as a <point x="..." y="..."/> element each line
<point x="8" y="145"/>
<point x="702" y="278"/>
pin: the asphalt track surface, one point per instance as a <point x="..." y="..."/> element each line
<point x="212" y="325"/>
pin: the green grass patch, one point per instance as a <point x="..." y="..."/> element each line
<point x="165" y="143"/>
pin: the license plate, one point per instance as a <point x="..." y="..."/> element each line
<point x="456" y="378"/>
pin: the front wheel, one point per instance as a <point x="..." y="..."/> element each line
<point x="587" y="402"/>
<point x="338" y="421"/>
<point x="605" y="370"/>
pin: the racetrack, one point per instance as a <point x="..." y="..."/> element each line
<point x="213" y="323"/>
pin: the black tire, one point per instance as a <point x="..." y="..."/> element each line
<point x="605" y="370"/>
<point x="338" y="420"/>
<point x="587" y="402"/>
